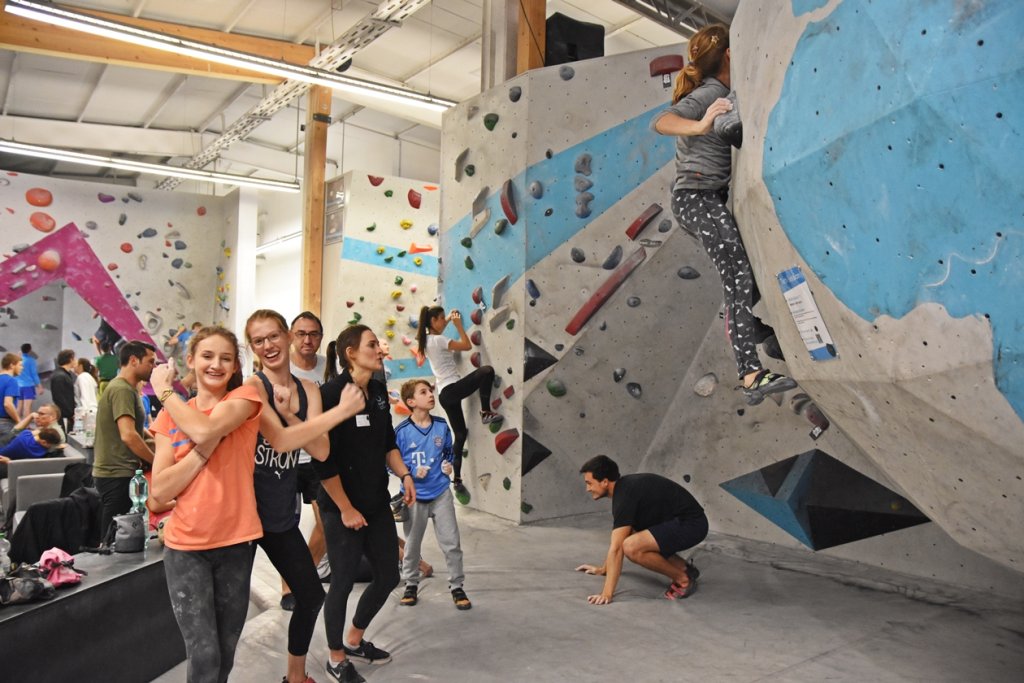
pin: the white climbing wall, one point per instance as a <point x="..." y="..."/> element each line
<point x="385" y="266"/>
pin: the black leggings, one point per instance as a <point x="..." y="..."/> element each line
<point x="482" y="380"/>
<point x="703" y="213"/>
<point x="290" y="556"/>
<point x="378" y="540"/>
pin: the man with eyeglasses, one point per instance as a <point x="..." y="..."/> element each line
<point x="307" y="335"/>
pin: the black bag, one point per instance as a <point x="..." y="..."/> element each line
<point x="25" y="583"/>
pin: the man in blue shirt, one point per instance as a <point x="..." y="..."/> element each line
<point x="10" y="392"/>
<point x="29" y="444"/>
<point x="425" y="442"/>
<point x="28" y="380"/>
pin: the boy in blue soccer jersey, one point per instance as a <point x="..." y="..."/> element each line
<point x="425" y="442"/>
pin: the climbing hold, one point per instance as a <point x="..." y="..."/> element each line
<point x="532" y="290"/>
<point x="633" y="301"/>
<point x="688" y="273"/>
<point x="391" y="321"/>
<point x="143" y="261"/>
<point x="505" y="439"/>
<point x="613" y="258"/>
<point x="605" y="291"/>
<point x="467" y="242"/>
<point x="92" y="225"/>
<point x="402" y="254"/>
<point x="38" y="196"/>
<point x="201" y="211"/>
<point x="389" y="193"/>
<point x="179" y="245"/>
<point x="49" y="260"/>
<point x="371" y="227"/>
<point x="105" y="198"/>
<point x="583" y="200"/>
<point x="389" y="259"/>
<point x="460" y="162"/>
<point x="566" y="72"/>
<point x="406" y="224"/>
<point x="135" y="196"/>
<point x="634" y="389"/>
<point x="350" y="304"/>
<point x="500" y="225"/>
<point x="413" y="288"/>
<point x="42" y="222"/>
<point x="514" y="93"/>
<point x="475" y="359"/>
<point x="478" y="295"/>
<point x="380" y="250"/>
<point x="479" y="219"/>
<point x="413" y="322"/>
<point x="705" y="386"/>
<point x="396" y="293"/>
<point x="510" y="324"/>
<point x="477" y="337"/>
<point x="177" y="263"/>
<point x="390" y="334"/>
<point x="406" y="340"/>
<point x="500" y="316"/>
<point x="148" y="232"/>
<point x="477" y="316"/>
<point x="470" y="170"/>
<point x="526" y="507"/>
<point x="399" y="308"/>
<point x="415" y="199"/>
<point x="375" y="180"/>
<point x="420" y="248"/>
<point x="506" y="483"/>
<point x="182" y="291"/>
<point x="618" y="374"/>
<point x="509" y="391"/>
<point x="556" y="387"/>
<point x="665" y="225"/>
<point x="432" y="229"/>
<point x="582" y="164"/>
<point x="490" y="120"/>
<point x="548" y="212"/>
<point x="498" y="291"/>
<point x="582" y="184"/>
<point x="399" y="279"/>
<point x="122" y="219"/>
<point x="508" y="201"/>
<point x="577" y="255"/>
<point x="536" y="189"/>
<point x="127" y="247"/>
<point x="642" y="221"/>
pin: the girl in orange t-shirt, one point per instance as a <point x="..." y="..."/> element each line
<point x="204" y="461"/>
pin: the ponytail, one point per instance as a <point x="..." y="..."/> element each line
<point x="331" y="371"/>
<point x="706" y="51"/>
<point x="427" y="313"/>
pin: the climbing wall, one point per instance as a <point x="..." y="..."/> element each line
<point x="385" y="266"/>
<point x="147" y="261"/>
<point x="898" y="196"/>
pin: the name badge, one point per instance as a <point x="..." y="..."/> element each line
<point x="362" y="420"/>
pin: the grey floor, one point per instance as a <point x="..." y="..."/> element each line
<point x="748" y="622"/>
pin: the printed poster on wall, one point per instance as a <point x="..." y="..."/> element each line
<point x="806" y="315"/>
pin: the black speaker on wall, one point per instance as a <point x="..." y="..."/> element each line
<point x="569" y="40"/>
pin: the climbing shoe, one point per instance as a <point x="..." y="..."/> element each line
<point x="766" y="383"/>
<point x="461" y="492"/>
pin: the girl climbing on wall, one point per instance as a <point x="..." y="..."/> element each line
<point x="703" y="168"/>
<point x="450" y="389"/>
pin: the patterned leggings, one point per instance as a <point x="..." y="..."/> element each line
<point x="703" y="214"/>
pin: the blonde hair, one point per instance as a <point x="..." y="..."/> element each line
<point x="706" y="50"/>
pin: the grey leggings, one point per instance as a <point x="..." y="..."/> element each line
<point x="702" y="213"/>
<point x="209" y="592"/>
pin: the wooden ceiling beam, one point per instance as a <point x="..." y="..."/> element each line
<point x="24" y="35"/>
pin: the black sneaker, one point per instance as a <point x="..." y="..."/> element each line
<point x="367" y="652"/>
<point x="343" y="672"/>
<point x="288" y="602"/>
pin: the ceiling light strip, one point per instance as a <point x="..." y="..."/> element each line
<point x="40" y="152"/>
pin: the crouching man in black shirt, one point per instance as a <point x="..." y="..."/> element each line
<point x="653" y="519"/>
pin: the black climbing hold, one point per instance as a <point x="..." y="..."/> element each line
<point x="686" y="478"/>
<point x="559" y="347"/>
<point x="688" y="273"/>
<point x="535" y="360"/>
<point x="122" y="219"/>
<point x="665" y="225"/>
<point x="549" y="154"/>
<point x="603" y="327"/>
<point x="566" y="72"/>
<point x="470" y="169"/>
<point x="549" y="212"/>
<point x="618" y="374"/>
<point x="506" y="483"/>
<point x="634" y="389"/>
<point x="467" y="242"/>
<point x="577" y="255"/>
<point x="514" y="93"/>
<point x="633" y="301"/>
<point x="613" y="258"/>
<point x="469" y="263"/>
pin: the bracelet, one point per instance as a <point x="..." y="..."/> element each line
<point x="166" y="394"/>
<point x="407" y="474"/>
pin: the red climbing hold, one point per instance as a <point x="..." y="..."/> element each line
<point x="350" y="304"/>
<point x="477" y="337"/>
<point x="642" y="221"/>
<point x="666" y="64"/>
<point x="505" y="439"/>
<point x="475" y="359"/>
<point x="415" y="198"/>
<point x="201" y="211"/>
<point x="606" y="290"/>
<point x="43" y="222"/>
<point x="375" y="180"/>
<point x="509" y="390"/>
<point x="477" y="316"/>
<point x="495" y="404"/>
<point x="508" y="201"/>
<point x="478" y="295"/>
<point x="126" y="247"/>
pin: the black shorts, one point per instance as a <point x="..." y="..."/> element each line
<point x="677" y="534"/>
<point x="309" y="483"/>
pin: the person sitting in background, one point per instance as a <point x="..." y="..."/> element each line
<point x="62" y="387"/>
<point x="29" y="444"/>
<point x="46" y="417"/>
<point x="28" y="380"/>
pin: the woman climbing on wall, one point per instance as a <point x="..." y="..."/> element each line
<point x="450" y="389"/>
<point x="703" y="168"/>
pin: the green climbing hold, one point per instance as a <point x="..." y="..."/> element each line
<point x="357" y="316"/>
<point x="353" y="321"/>
<point x="402" y="254"/>
<point x="490" y="120"/>
<point x="495" y="427"/>
<point x="362" y="298"/>
<point x="500" y="225"/>
<point x="470" y="169"/>
<point x="399" y="279"/>
<point x="556" y="387"/>
<point x="465" y="454"/>
<point x="507" y="483"/>
<point x="467" y="242"/>
<point x="371" y="228"/>
<point x="389" y="259"/>
<point x="469" y="263"/>
<point x="510" y="324"/>
<point x="526" y="508"/>
<point x="388" y="193"/>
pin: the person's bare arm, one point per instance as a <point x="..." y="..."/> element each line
<point x="462" y="343"/>
<point x="310" y="434"/>
<point x="131" y="438"/>
<point x="171" y="478"/>
<point x="350" y="517"/>
<point x="612" y="567"/>
<point x="11" y="409"/>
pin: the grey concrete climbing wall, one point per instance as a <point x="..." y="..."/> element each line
<point x="383" y="265"/>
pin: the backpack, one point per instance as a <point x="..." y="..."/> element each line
<point x="59" y="568"/>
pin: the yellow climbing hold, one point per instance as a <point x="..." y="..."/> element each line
<point x="390" y="334"/>
<point x="391" y="321"/>
<point x="395" y="294"/>
<point x="418" y="261"/>
<point x="380" y="250"/>
<point x="227" y="252"/>
<point x="406" y="224"/>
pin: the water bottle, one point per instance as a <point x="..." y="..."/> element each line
<point x="5" y="556"/>
<point x="138" y="490"/>
<point x="78" y="425"/>
<point x="90" y="427"/>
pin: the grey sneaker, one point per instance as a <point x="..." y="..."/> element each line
<point x="345" y="672"/>
<point x="367" y="652"/>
